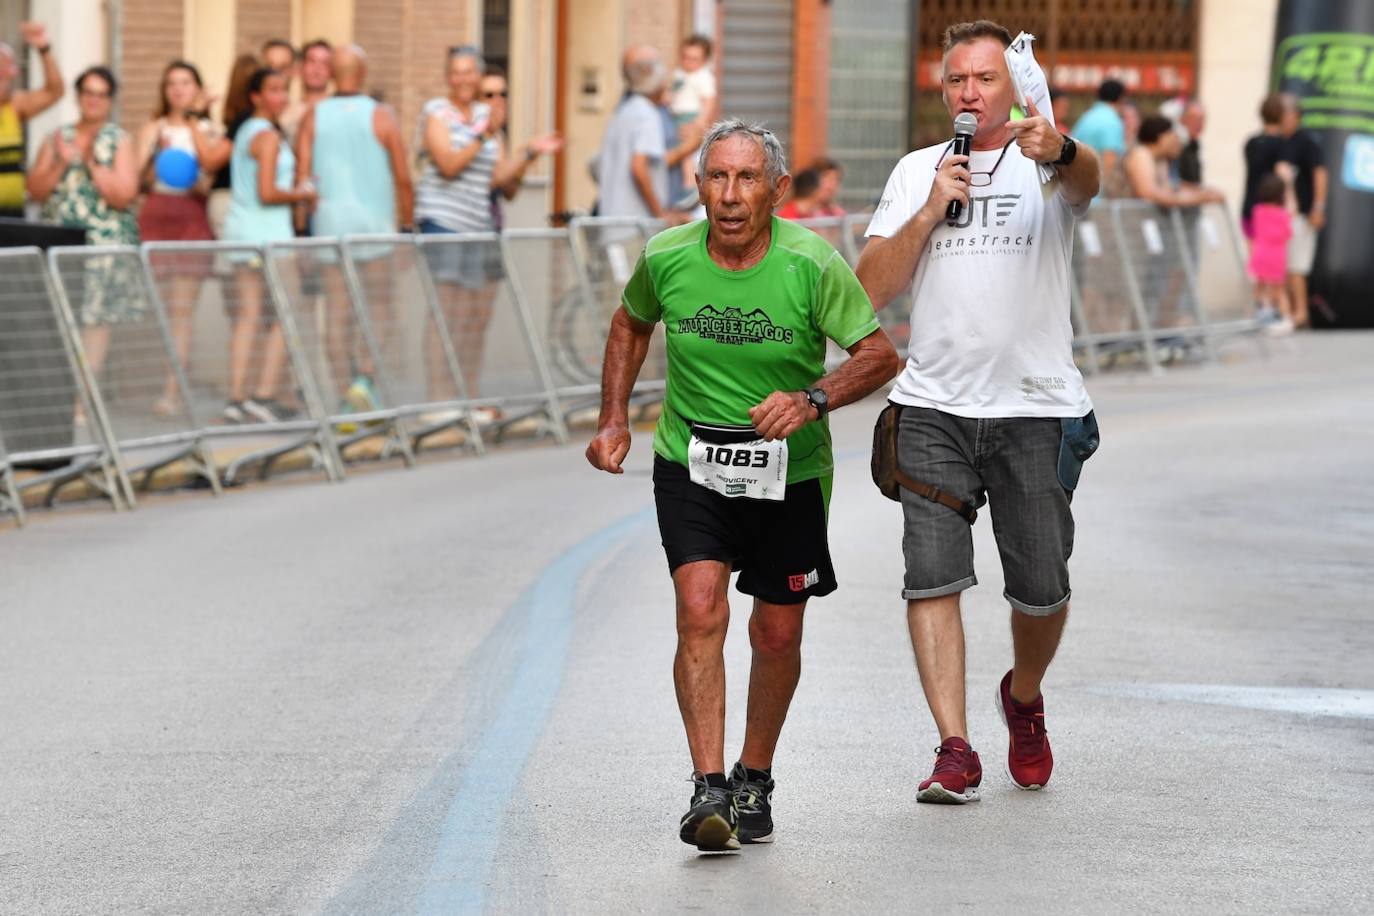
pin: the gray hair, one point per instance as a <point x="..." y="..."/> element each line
<point x="646" y="77"/>
<point x="471" y="51"/>
<point x="776" y="159"/>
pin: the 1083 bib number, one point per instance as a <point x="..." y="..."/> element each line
<point x="751" y="469"/>
<point x="728" y="456"/>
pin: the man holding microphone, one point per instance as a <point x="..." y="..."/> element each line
<point x="993" y="408"/>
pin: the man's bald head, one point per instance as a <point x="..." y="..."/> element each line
<point x="636" y="55"/>
<point x="350" y="68"/>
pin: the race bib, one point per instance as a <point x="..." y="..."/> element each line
<point x="752" y="468"/>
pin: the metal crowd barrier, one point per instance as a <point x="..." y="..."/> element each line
<point x="605" y="251"/>
<point x="1162" y="282"/>
<point x="414" y="353"/>
<point x="235" y="337"/>
<point x="130" y="354"/>
<point x="498" y="368"/>
<point x="320" y="288"/>
<point x="11" y="500"/>
<point x="56" y="431"/>
<point x="121" y="361"/>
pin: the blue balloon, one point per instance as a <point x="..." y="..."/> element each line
<point x="176" y="168"/>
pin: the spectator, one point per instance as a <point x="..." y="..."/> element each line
<point x="178" y="214"/>
<point x="1263" y="151"/>
<point x="831" y="174"/>
<point x="1102" y="127"/>
<point x="1272" y="227"/>
<point x="510" y="169"/>
<point x="237" y="110"/>
<point x="351" y="145"/>
<point x="86" y="175"/>
<point x="17" y="108"/>
<point x="813" y="192"/>
<point x="262" y="194"/>
<point x="315" y="71"/>
<point x="632" y="166"/>
<point x="802" y="203"/>
<point x="1191" y="121"/>
<point x="1310" y="185"/>
<point x="280" y="55"/>
<point x="1147" y="164"/>
<point x="1147" y="168"/>
<point x="1059" y="103"/>
<point x="459" y="152"/>
<point x="1281" y="141"/>
<point x="693" y="98"/>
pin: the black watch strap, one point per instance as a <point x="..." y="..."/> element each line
<point x="818" y="399"/>
<point x="1067" y="152"/>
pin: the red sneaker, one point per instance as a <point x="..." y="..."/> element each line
<point x="1029" y="760"/>
<point x="957" y="775"/>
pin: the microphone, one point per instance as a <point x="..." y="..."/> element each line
<point x="965" y="126"/>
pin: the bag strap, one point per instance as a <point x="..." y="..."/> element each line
<point x="936" y="495"/>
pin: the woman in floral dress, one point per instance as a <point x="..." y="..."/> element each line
<point x="85" y="175"/>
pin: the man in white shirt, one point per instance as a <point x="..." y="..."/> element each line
<point x="992" y="405"/>
<point x="632" y="166"/>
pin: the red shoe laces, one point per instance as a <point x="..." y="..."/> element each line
<point x="1028" y="729"/>
<point x="950" y="760"/>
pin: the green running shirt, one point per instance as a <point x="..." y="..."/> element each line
<point x="735" y="337"/>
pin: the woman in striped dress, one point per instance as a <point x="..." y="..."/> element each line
<point x="460" y="148"/>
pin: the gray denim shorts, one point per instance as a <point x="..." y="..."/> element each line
<point x="1011" y="464"/>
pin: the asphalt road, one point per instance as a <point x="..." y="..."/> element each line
<point x="448" y="689"/>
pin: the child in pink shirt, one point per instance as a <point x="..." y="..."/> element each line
<point x="1272" y="226"/>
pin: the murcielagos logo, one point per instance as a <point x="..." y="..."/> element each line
<point x="731" y="326"/>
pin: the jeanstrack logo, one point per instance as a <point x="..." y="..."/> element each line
<point x="988" y="214"/>
<point x="733" y="327"/>
<point x="994" y="208"/>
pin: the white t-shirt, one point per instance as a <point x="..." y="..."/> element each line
<point x="636" y="127"/>
<point x="990" y="310"/>
<point x="692" y="92"/>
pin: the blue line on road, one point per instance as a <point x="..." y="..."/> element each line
<point x="468" y="840"/>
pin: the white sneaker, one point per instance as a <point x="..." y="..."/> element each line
<point x="1279" y="328"/>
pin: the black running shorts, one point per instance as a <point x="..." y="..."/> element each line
<point x="780" y="548"/>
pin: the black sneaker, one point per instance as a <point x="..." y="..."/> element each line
<point x="267" y="410"/>
<point x="711" y="822"/>
<point x="753" y="791"/>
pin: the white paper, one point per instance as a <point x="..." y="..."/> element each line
<point x="1028" y="83"/>
<point x="1209" y="233"/>
<point x="620" y="263"/>
<point x="1090" y="239"/>
<point x="1154" y="242"/>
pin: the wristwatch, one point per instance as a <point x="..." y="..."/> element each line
<point x="1067" y="152"/>
<point x="818" y="399"/>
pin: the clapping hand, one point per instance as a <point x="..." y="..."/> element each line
<point x="35" y="34"/>
<point x="546" y="145"/>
